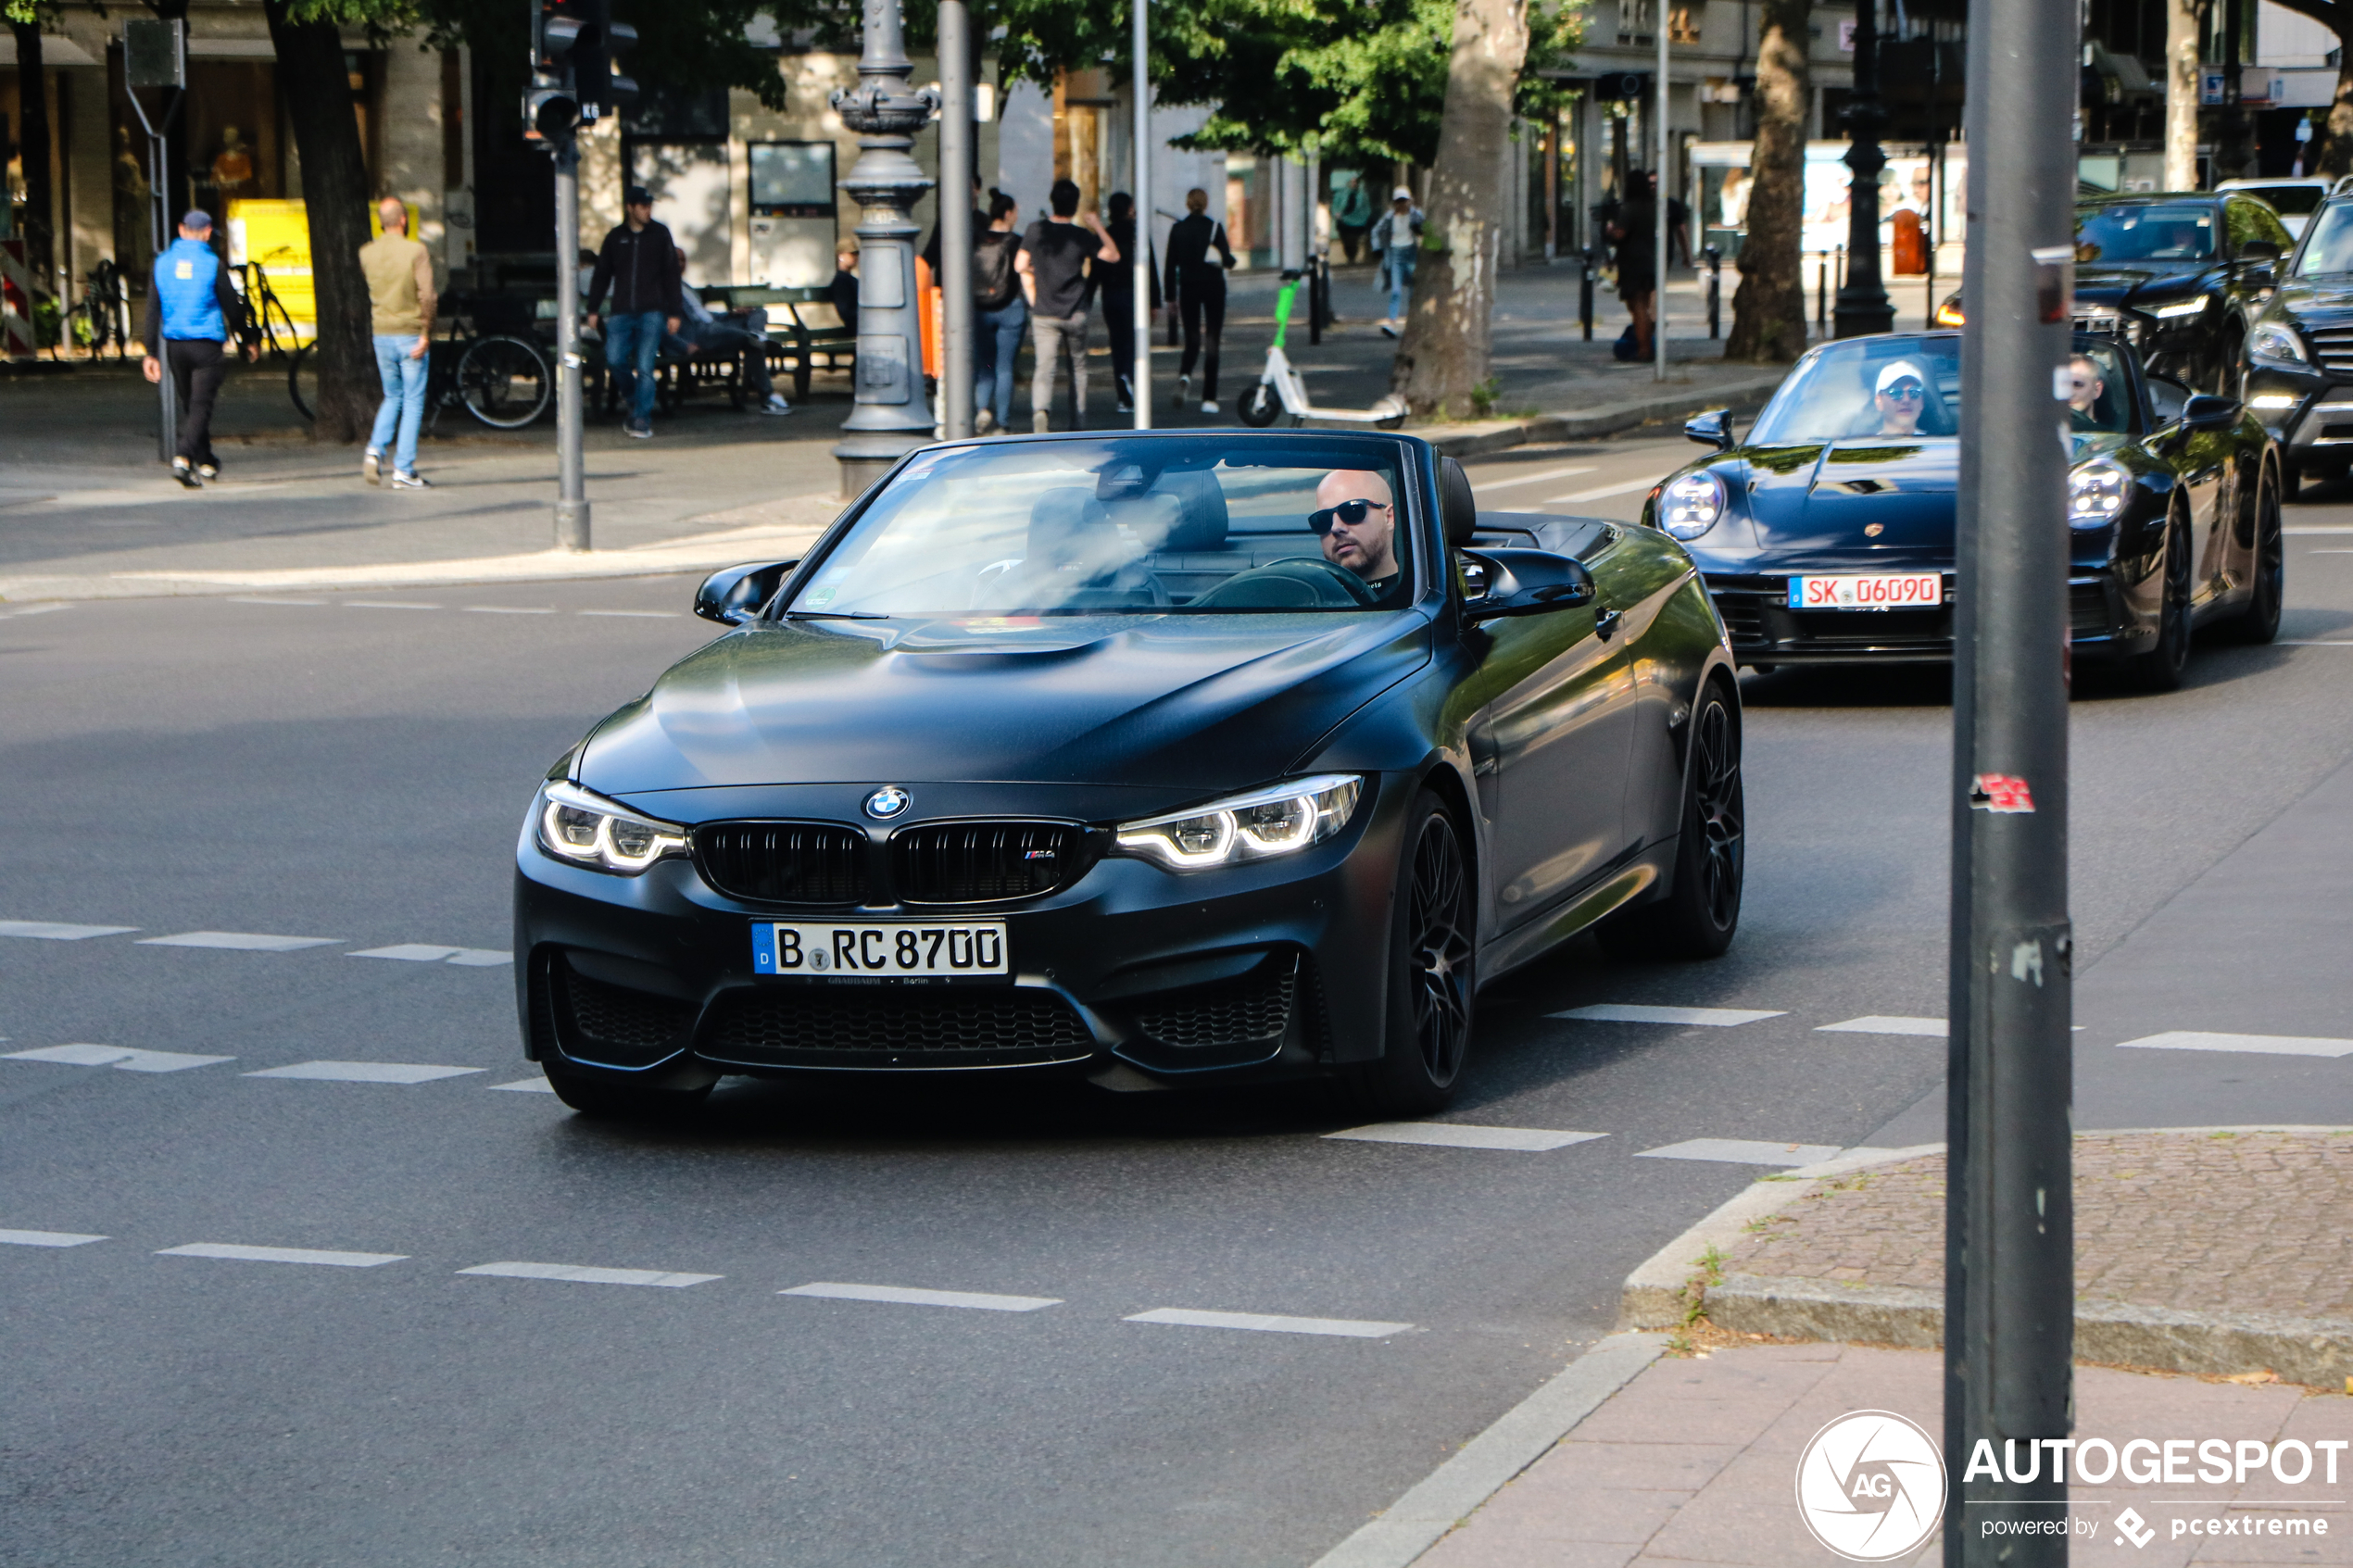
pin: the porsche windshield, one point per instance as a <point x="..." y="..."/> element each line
<point x="1901" y="388"/>
<point x="2164" y="232"/>
<point x="1138" y="525"/>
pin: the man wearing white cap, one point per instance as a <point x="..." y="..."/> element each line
<point x="1396" y="242"/>
<point x="1900" y="396"/>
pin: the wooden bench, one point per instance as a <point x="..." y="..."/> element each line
<point x="802" y="323"/>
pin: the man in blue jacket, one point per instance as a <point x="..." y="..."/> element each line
<point x="193" y="312"/>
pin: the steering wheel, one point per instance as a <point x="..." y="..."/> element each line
<point x="1300" y="582"/>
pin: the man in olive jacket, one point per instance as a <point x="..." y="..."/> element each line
<point x="639" y="262"/>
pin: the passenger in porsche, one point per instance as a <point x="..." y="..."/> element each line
<point x="1355" y="517"/>
<point x="1901" y="394"/>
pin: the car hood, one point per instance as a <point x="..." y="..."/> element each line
<point x="2139" y="283"/>
<point x="2314" y="300"/>
<point x="1185" y="702"/>
<point x="1885" y="499"/>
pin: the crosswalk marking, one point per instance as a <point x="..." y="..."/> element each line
<point x="1880" y="1024"/>
<point x="365" y="1071"/>
<point x="905" y="1295"/>
<point x="57" y="930"/>
<point x="588" y="1276"/>
<point x="1744" y="1151"/>
<point x="238" y="941"/>
<point x="425" y="952"/>
<point x="1347" y="1328"/>
<point x="1572" y="470"/>
<point x="528" y="1087"/>
<point x="120" y="1057"/>
<point x="1620" y="1012"/>
<point x="1457" y="1135"/>
<point x="2267" y="1045"/>
<point x="281" y="1255"/>
<point x="46" y="1238"/>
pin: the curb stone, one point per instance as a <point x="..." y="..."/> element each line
<point x="1586" y="424"/>
<point x="1415" y="1522"/>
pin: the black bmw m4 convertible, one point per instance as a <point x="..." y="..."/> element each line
<point x="1146" y="759"/>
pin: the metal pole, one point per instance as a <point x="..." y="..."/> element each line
<point x="1141" y="368"/>
<point x="1658" y="199"/>
<point x="2009" y="1217"/>
<point x="955" y="219"/>
<point x="571" y="480"/>
<point x="159" y="230"/>
<point x="1862" y="297"/>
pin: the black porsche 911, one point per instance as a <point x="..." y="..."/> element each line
<point x="1827" y="535"/>
<point x="1149" y="758"/>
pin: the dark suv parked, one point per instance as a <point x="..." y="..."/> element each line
<point x="2299" y="353"/>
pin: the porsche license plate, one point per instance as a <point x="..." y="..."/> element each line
<point x="881" y="950"/>
<point x="1876" y="590"/>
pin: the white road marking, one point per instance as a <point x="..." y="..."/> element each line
<point x="636" y="614"/>
<point x="1876" y="1023"/>
<point x="978" y="1300"/>
<point x="1603" y="492"/>
<point x="53" y="931"/>
<point x="1456" y="1135"/>
<point x="588" y="1276"/>
<point x="119" y="1057"/>
<point x="1347" y="1328"/>
<point x="312" y="603"/>
<point x="1620" y="1012"/>
<point x="480" y="957"/>
<point x="410" y="952"/>
<point x="528" y="1087"/>
<point x="31" y="610"/>
<point x="384" y="604"/>
<point x="238" y="941"/>
<point x="1744" y="1151"/>
<point x="281" y="1255"/>
<point x="46" y="1238"/>
<point x="366" y="1072"/>
<point x="503" y="609"/>
<point x="2267" y="1045"/>
<point x="1531" y="478"/>
<point x="2319" y="528"/>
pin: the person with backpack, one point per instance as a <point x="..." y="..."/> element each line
<point x="1197" y="288"/>
<point x="1118" y="290"/>
<point x="1000" y="315"/>
<point x="193" y="313"/>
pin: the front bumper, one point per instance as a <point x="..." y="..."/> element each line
<point x="2308" y="411"/>
<point x="1264" y="969"/>
<point x="2106" y="617"/>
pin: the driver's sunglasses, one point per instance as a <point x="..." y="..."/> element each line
<point x="1904" y="392"/>
<point x="1349" y="512"/>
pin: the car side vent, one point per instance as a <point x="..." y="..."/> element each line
<point x="783" y="862"/>
<point x="980" y="862"/>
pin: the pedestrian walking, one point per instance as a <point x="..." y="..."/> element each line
<point x="1352" y="214"/>
<point x="1001" y="315"/>
<point x="1397" y="242"/>
<point x="1634" y="229"/>
<point x="191" y="314"/>
<point x="400" y="308"/>
<point x="639" y="262"/>
<point x="741" y="332"/>
<point x="1055" y="255"/>
<point x="1198" y="258"/>
<point x="1119" y="297"/>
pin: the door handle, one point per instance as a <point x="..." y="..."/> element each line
<point x="1605" y="621"/>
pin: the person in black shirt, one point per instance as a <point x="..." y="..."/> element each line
<point x="1117" y="291"/>
<point x="843" y="291"/>
<point x="1000" y="315"/>
<point x="1053" y="263"/>
<point x="1197" y="286"/>
<point x="1635" y="230"/>
<point x="639" y="262"/>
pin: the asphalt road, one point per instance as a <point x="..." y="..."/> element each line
<point x="346" y="771"/>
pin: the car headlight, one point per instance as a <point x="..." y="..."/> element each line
<point x="1277" y="819"/>
<point x="2180" y="308"/>
<point x="2275" y="342"/>
<point x="605" y="835"/>
<point x="1690" y="507"/>
<point x="2096" y="493"/>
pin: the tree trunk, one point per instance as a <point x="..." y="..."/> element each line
<point x="1768" y="309"/>
<point x="316" y="82"/>
<point x="33" y="103"/>
<point x="1446" y="353"/>
<point x="2337" y="139"/>
<point x="2184" y="30"/>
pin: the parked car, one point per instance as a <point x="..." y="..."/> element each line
<point x="2299" y="353"/>
<point x="2295" y="200"/>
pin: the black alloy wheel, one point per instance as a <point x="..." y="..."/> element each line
<point x="2159" y="670"/>
<point x="1258" y="408"/>
<point x="2268" y="573"/>
<point x="607" y="1097"/>
<point x="1701" y="913"/>
<point x="1432" y="962"/>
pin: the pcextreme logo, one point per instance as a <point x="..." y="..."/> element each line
<point x="1870" y="1485"/>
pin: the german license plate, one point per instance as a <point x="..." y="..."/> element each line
<point x="1875" y="590"/>
<point x="880" y="950"/>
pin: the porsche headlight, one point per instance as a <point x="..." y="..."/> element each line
<point x="588" y="830"/>
<point x="2275" y="342"/>
<point x="2096" y="493"/>
<point x="1690" y="507"/>
<point x="1274" y="821"/>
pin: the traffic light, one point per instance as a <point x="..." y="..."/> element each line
<point x="1621" y="86"/>
<point x="597" y="53"/>
<point x="575" y="46"/>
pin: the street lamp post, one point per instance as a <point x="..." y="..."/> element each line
<point x="1141" y="264"/>
<point x="892" y="415"/>
<point x="955" y="221"/>
<point x="1862" y="299"/>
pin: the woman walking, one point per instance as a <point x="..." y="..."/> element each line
<point x="1001" y="316"/>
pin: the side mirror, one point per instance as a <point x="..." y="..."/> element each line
<point x="734" y="595"/>
<point x="1523" y="582"/>
<point x="2260" y="250"/>
<point x="1711" y="429"/>
<point x="2211" y="413"/>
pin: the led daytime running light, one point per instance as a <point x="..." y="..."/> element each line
<point x="1690" y="507"/>
<point x="1279" y="819"/>
<point x="588" y="830"/>
<point x="2095" y="494"/>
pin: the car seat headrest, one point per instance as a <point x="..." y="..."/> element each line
<point x="1457" y="507"/>
<point x="1201" y="517"/>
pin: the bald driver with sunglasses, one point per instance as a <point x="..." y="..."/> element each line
<point x="1356" y="517"/>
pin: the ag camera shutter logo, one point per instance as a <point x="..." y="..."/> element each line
<point x="1870" y="1485"/>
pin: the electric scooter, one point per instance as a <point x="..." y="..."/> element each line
<point x="1279" y="390"/>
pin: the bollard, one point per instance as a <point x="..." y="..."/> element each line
<point x="1585" y="292"/>
<point x="1821" y="289"/>
<point x="1715" y="257"/>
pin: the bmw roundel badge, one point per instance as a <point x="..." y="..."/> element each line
<point x="887" y="802"/>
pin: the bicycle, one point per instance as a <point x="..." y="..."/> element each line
<point x="504" y="382"/>
<point x="99" y="316"/>
<point x="269" y="324"/>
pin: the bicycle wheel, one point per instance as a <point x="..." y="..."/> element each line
<point x="277" y="327"/>
<point x="503" y="382"/>
<point x="302" y="382"/>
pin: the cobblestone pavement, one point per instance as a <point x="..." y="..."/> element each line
<point x="2199" y="1221"/>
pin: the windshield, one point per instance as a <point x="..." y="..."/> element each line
<point x="2293" y="200"/>
<point x="1165" y="525"/>
<point x="1881" y="387"/>
<point x="2328" y="244"/>
<point x="2159" y="232"/>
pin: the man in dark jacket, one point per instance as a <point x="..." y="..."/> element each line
<point x="1116" y="289"/>
<point x="191" y="314"/>
<point x="639" y="262"/>
<point x="1197" y="283"/>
